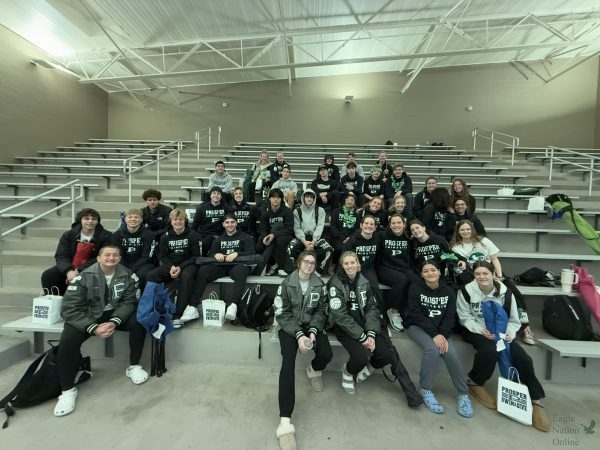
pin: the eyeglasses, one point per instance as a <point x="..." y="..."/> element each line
<point x="309" y="262"/>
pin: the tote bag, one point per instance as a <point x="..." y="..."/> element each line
<point x="513" y="398"/>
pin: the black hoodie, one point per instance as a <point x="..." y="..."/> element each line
<point x="394" y="251"/>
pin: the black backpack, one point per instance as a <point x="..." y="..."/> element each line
<point x="40" y="382"/>
<point x="256" y="311"/>
<point x="567" y="318"/>
<point x="535" y="277"/>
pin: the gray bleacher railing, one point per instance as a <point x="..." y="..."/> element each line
<point x="206" y="133"/>
<point x="492" y="136"/>
<point x="590" y="164"/>
<point x="71" y="202"/>
<point x="129" y="169"/>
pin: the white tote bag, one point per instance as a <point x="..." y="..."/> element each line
<point x="536" y="203"/>
<point x="505" y="190"/>
<point x="46" y="307"/>
<point x="513" y="398"/>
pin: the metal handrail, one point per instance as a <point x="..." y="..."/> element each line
<point x="589" y="166"/>
<point x="71" y="202"/>
<point x="129" y="170"/>
<point x="513" y="144"/>
<point x="207" y="132"/>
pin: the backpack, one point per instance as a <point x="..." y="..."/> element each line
<point x="567" y="318"/>
<point x="255" y="311"/>
<point x="535" y="277"/>
<point x="40" y="382"/>
<point x="299" y="211"/>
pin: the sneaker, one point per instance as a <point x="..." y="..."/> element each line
<point x="431" y="402"/>
<point x="136" y="374"/>
<point x="66" y="403"/>
<point x="177" y="323"/>
<point x="464" y="406"/>
<point x="528" y="337"/>
<point x="315" y="377"/>
<point x="365" y="373"/>
<point x="271" y="271"/>
<point x="282" y="273"/>
<point x="190" y="313"/>
<point x="231" y="313"/>
<point x="347" y="382"/>
<point x="482" y="395"/>
<point x="395" y="320"/>
<point x="540" y="419"/>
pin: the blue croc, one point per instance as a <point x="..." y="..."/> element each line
<point x="431" y="402"/>
<point x="464" y="406"/>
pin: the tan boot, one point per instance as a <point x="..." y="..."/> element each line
<point x="285" y="435"/>
<point x="315" y="377"/>
<point x="540" y="418"/>
<point x="481" y="394"/>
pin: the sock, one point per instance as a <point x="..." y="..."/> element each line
<point x="135" y="365"/>
<point x="73" y="389"/>
<point x="285" y="421"/>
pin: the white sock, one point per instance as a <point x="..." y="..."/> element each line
<point x="136" y="365"/>
<point x="285" y="421"/>
<point x="73" y="389"/>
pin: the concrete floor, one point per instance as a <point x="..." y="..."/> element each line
<point x="226" y="406"/>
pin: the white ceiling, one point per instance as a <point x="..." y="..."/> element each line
<point x="139" y="46"/>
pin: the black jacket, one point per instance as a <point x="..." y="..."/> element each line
<point x="157" y="221"/>
<point x="67" y="246"/>
<point x="179" y="249"/>
<point x="239" y="242"/>
<point x="365" y="249"/>
<point x="394" y="251"/>
<point x="208" y="218"/>
<point x="402" y="184"/>
<point x="137" y="249"/>
<point x="433" y="310"/>
<point x="343" y="225"/>
<point x="280" y="222"/>
<point x="246" y="216"/>
<point x="441" y="223"/>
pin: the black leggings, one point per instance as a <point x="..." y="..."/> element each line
<point x="486" y="357"/>
<point x="396" y="296"/>
<point x="289" y="350"/>
<point x="359" y="356"/>
<point x="69" y="348"/>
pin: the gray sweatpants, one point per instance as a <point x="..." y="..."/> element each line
<point x="431" y="357"/>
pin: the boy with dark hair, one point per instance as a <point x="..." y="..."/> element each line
<point x="246" y="215"/>
<point x="155" y="215"/>
<point x="332" y="169"/>
<point x="223" y="179"/>
<point x="208" y="217"/>
<point x="328" y="195"/>
<point x="351" y="182"/>
<point x="276" y="232"/>
<point x="399" y="181"/>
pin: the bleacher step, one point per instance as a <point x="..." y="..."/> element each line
<point x="13" y="349"/>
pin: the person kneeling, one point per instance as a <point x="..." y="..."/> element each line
<point x="101" y="299"/>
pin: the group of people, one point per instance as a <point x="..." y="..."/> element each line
<point x="431" y="251"/>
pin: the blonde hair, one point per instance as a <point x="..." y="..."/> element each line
<point x="351" y="254"/>
<point x="177" y="214"/>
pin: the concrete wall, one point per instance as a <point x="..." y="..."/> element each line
<point x="42" y="108"/>
<point x="562" y="112"/>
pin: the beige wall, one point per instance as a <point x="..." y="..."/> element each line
<point x="562" y="112"/>
<point x="42" y="108"/>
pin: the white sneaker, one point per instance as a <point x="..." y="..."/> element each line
<point x="66" y="403"/>
<point x="190" y="313"/>
<point x="282" y="273"/>
<point x="177" y="323"/>
<point x="137" y="374"/>
<point x="231" y="313"/>
<point x="395" y="320"/>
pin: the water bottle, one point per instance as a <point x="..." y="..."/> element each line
<point x="308" y="343"/>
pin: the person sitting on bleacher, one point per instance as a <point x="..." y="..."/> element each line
<point x="374" y="185"/>
<point x="376" y="209"/>
<point x="328" y="195"/>
<point x="399" y="207"/>
<point x="309" y="221"/>
<point x="223" y="179"/>
<point x="246" y="215"/>
<point x="137" y="245"/>
<point x="351" y="157"/>
<point x="384" y="166"/>
<point x="208" y="218"/>
<point x="301" y="315"/>
<point x="460" y="190"/>
<point x="424" y="197"/>
<point x="288" y="186"/>
<point x="351" y="182"/>
<point x="437" y="215"/>
<point x="429" y="246"/>
<point x="226" y="258"/>
<point x="102" y="299"/>
<point x="177" y="252"/>
<point x="470" y="246"/>
<point x="333" y="169"/>
<point x="486" y="287"/>
<point x="462" y="212"/>
<point x="276" y="232"/>
<point x="76" y="250"/>
<point x="155" y="215"/>
<point x="261" y="178"/>
<point x="399" y="181"/>
<point x="343" y="223"/>
<point x="276" y="169"/>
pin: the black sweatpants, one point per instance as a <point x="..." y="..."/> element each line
<point x="69" y="348"/>
<point x="276" y="250"/>
<point x="360" y="356"/>
<point x="396" y="296"/>
<point x="54" y="277"/>
<point x="187" y="279"/>
<point x="210" y="272"/>
<point x="287" y="375"/>
<point x="486" y="357"/>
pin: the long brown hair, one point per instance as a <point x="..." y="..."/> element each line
<point x="457" y="240"/>
<point x="488" y="265"/>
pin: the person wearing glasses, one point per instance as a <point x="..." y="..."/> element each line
<point x="300" y="312"/>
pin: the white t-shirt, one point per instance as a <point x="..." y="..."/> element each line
<point x="482" y="251"/>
